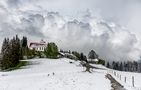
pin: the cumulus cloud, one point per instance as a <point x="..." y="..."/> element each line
<point x="109" y="40"/>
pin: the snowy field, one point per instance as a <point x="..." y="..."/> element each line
<point x="51" y="74"/>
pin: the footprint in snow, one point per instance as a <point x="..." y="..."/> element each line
<point x="4" y="75"/>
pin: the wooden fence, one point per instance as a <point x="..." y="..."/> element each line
<point x="130" y="81"/>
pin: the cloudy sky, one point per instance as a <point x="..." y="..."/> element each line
<point x="110" y="27"/>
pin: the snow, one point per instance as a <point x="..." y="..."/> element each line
<point x="128" y="84"/>
<point x="54" y="74"/>
<point x="96" y="60"/>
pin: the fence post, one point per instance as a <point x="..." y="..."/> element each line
<point x="120" y="77"/>
<point x="115" y="73"/>
<point x="125" y="79"/>
<point x="133" y="81"/>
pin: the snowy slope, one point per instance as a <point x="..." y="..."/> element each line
<point x="128" y="84"/>
<point x="39" y="76"/>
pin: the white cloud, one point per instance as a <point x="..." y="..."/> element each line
<point x="90" y="31"/>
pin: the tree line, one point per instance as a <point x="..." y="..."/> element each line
<point x="132" y="66"/>
<point x="92" y="55"/>
<point x="11" y="52"/>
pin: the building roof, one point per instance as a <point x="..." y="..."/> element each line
<point x="38" y="43"/>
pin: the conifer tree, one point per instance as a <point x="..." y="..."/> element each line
<point x="15" y="49"/>
<point x="92" y="55"/>
<point x="108" y="65"/>
<point x="6" y="55"/>
<point x="121" y="67"/>
<point x="24" y="41"/>
<point x="24" y="48"/>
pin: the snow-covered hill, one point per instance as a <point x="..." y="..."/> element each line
<point x="51" y="74"/>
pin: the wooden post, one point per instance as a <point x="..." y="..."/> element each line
<point x="133" y="81"/>
<point x="125" y="79"/>
<point x="115" y="73"/>
<point x="120" y="77"/>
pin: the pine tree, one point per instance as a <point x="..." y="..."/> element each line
<point x="121" y="67"/>
<point x="24" y="41"/>
<point x="6" y="53"/>
<point x="92" y="55"/>
<point x="117" y="65"/>
<point x="4" y="45"/>
<point x="24" y="48"/>
<point x="108" y="65"/>
<point x="83" y="57"/>
<point x="15" y="42"/>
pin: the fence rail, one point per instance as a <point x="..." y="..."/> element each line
<point x="128" y="80"/>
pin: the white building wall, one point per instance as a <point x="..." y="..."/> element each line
<point x="38" y="47"/>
